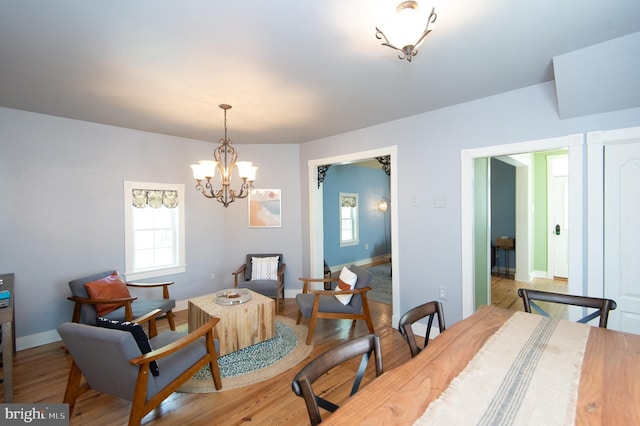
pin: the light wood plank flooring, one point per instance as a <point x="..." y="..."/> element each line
<point x="504" y="294"/>
<point x="41" y="373"/>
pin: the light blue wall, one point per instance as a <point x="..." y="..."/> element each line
<point x="371" y="185"/>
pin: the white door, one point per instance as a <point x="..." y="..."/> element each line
<point x="558" y="241"/>
<point x="622" y="234"/>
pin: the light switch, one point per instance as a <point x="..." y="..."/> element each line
<point x="439" y="201"/>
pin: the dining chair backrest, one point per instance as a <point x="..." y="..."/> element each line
<point x="427" y="310"/>
<point x="303" y="381"/>
<point x="602" y="306"/>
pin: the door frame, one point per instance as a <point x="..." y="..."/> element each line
<point x="575" y="145"/>
<point x="316" y="220"/>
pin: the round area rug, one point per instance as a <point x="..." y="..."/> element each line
<point x="258" y="362"/>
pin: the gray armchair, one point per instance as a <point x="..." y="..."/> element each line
<point x="130" y="307"/>
<point x="316" y="304"/>
<point x="274" y="288"/>
<point x="111" y="361"/>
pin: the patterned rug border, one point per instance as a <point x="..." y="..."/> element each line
<point x="297" y="355"/>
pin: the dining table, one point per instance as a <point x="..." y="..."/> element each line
<point x="504" y="367"/>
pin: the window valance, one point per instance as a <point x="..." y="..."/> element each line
<point x="348" y="201"/>
<point x="154" y="198"/>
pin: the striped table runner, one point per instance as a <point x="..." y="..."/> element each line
<point x="527" y="373"/>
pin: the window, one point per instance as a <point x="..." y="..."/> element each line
<point x="154" y="229"/>
<point x="348" y="219"/>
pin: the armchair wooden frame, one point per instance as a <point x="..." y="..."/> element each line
<point x="602" y="306"/>
<point x="316" y="313"/>
<point x="140" y="407"/>
<point x="126" y="302"/>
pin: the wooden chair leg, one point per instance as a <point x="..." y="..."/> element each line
<point x="312" y="326"/>
<point x="367" y="314"/>
<point x="171" y="320"/>
<point x="213" y="362"/>
<point x="74" y="390"/>
<point x="299" y="318"/>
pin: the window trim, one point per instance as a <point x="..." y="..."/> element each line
<point x="354" y="217"/>
<point x="130" y="274"/>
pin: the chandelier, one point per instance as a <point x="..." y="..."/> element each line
<point x="406" y="26"/>
<point x="225" y="161"/>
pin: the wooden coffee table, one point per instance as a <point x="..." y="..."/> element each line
<point x="240" y="325"/>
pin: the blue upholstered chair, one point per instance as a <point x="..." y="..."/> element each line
<point x="314" y="304"/>
<point x="111" y="361"/>
<point x="85" y="307"/>
<point x="246" y="277"/>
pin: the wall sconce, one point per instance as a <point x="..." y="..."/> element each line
<point x="383" y="205"/>
<point x="406" y="28"/>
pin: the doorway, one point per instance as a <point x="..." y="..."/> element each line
<point x="478" y="253"/>
<point x="316" y="220"/>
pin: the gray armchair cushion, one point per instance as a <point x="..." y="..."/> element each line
<point x="330" y="303"/>
<point x="265" y="287"/>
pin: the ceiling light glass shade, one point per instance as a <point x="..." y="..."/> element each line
<point x="243" y="168"/>
<point x="407" y="29"/>
<point x="208" y="167"/>
<point x="198" y="172"/>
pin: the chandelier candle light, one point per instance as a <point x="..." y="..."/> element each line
<point x="225" y="161"/>
<point x="407" y="27"/>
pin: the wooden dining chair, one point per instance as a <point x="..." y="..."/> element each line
<point x="602" y="306"/>
<point x="302" y="382"/>
<point x="430" y="310"/>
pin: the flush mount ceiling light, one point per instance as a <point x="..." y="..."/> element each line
<point x="407" y="27"/>
<point x="225" y="161"/>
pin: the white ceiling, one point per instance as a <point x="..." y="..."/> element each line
<point x="294" y="71"/>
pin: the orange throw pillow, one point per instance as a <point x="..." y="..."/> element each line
<point x="111" y="287"/>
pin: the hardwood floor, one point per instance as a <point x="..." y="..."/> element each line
<point x="504" y="294"/>
<point x="40" y="376"/>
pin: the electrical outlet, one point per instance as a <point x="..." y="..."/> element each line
<point x="443" y="293"/>
<point x="366" y="246"/>
<point x="213" y="275"/>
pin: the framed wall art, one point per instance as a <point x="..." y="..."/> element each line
<point x="265" y="208"/>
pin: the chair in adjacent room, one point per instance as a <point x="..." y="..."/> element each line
<point x="340" y="303"/>
<point x="107" y="295"/>
<point x="264" y="274"/>
<point x="430" y="310"/>
<point x="601" y="306"/>
<point x="116" y="358"/>
<point x="303" y="381"/>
